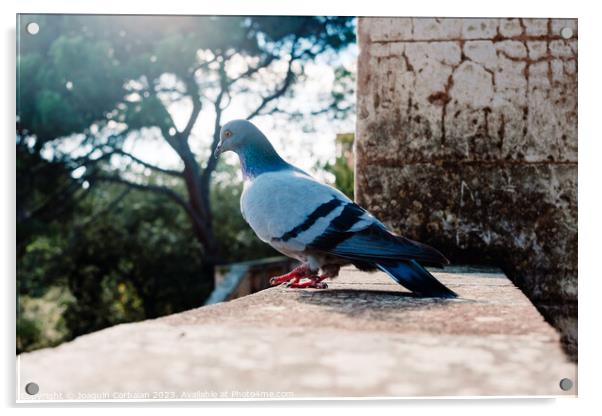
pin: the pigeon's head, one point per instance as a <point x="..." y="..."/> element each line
<point x="238" y="135"/>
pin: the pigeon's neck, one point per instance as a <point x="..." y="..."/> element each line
<point x="256" y="160"/>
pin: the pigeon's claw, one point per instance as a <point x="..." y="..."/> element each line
<point x="314" y="282"/>
<point x="302" y="277"/>
<point x="295" y="275"/>
<point x="276" y="280"/>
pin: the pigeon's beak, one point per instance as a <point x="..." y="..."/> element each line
<point x="218" y="150"/>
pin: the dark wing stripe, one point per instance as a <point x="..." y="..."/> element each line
<point x="322" y="211"/>
<point x="338" y="230"/>
<point x="375" y="243"/>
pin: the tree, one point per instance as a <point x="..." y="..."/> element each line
<point x="95" y="84"/>
<point x="121" y="255"/>
<point x="124" y="255"/>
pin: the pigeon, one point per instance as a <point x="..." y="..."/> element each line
<point x="319" y="225"/>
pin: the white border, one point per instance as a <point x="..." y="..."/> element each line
<point x="590" y="151"/>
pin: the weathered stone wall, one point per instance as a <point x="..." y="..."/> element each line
<point x="467" y="140"/>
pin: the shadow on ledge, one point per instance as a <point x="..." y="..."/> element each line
<point x="357" y="302"/>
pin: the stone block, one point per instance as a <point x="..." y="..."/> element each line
<point x="498" y="124"/>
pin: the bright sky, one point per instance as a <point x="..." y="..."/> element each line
<point x="302" y="148"/>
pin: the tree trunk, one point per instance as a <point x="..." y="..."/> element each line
<point x="201" y="218"/>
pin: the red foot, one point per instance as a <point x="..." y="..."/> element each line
<point x="295" y="275"/>
<point x="293" y="279"/>
<point x="314" y="282"/>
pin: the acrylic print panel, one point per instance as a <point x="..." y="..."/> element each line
<point x="139" y="278"/>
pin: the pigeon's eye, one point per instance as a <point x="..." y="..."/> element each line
<point x="227" y="134"/>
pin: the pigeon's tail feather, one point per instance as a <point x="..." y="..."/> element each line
<point x="413" y="276"/>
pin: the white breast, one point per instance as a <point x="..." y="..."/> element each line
<point x="275" y="203"/>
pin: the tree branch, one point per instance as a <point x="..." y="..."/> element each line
<point x="171" y="172"/>
<point x="330" y="107"/>
<point x="251" y="71"/>
<point x="59" y="198"/>
<point x="306" y="53"/>
<point x="199" y="226"/>
<point x="203" y="65"/>
<point x="288" y="79"/>
<point x="167" y="124"/>
<point x="87" y="161"/>
<point x="212" y="161"/>
<point x="197" y="106"/>
<point x="104" y="210"/>
<point x="143" y="187"/>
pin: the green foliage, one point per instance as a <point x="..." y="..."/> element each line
<point x="149" y="112"/>
<point x="59" y="90"/>
<point x="343" y="175"/>
<point x="137" y="260"/>
<point x="40" y="321"/>
<point x="92" y="254"/>
<point x="124" y="257"/>
<point x="43" y="197"/>
<point x="76" y="71"/>
<point x="342" y="168"/>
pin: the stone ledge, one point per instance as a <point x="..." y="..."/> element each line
<point x="364" y="336"/>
